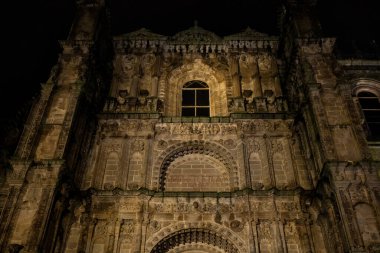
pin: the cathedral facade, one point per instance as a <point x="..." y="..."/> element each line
<point x="197" y="143"/>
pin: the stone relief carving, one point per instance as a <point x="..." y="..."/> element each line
<point x="277" y="146"/>
<point x="112" y="147"/>
<point x="137" y="145"/>
<point x="127" y="230"/>
<point x="265" y="230"/>
<point x="236" y="226"/>
<point x="161" y="144"/>
<point x="101" y="228"/>
<point x="129" y="206"/>
<point x="359" y="193"/>
<point x="195" y="128"/>
<point x="119" y="128"/>
<point x="267" y="65"/>
<point x="148" y="61"/>
<point x="291" y="230"/>
<point x="48" y="142"/>
<point x="229" y="143"/>
<point x="254" y="145"/>
<point x="154" y="226"/>
<point x="128" y="64"/>
<point x="58" y="108"/>
<point x="260" y="125"/>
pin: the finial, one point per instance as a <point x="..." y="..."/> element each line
<point x="195" y="23"/>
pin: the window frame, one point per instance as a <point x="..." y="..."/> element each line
<point x="368" y="86"/>
<point x="187" y="87"/>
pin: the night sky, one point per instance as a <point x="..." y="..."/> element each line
<point x="31" y="33"/>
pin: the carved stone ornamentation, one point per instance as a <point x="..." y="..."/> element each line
<point x="127" y="230"/>
<point x="138" y="145"/>
<point x="265" y="230"/>
<point x="196" y="143"/>
<point x="236" y="225"/>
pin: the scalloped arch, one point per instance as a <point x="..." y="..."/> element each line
<point x="223" y="232"/>
<point x="196" y="147"/>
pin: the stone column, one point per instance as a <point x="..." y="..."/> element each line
<point x="117" y="235"/>
<point x="257" y="89"/>
<point x="254" y="224"/>
<point x="311" y="242"/>
<point x="235" y="74"/>
<point x="280" y="227"/>
<point x="154" y="86"/>
<point x="91" y="231"/>
<point x="134" y="86"/>
<point x="156" y="76"/>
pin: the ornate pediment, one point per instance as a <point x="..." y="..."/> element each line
<point x="142" y="34"/>
<point x="196" y="35"/>
<point x="248" y="34"/>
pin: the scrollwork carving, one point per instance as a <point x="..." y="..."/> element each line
<point x="236" y="225"/>
<point x="277" y="146"/>
<point x="137" y="145"/>
<point x="291" y="230"/>
<point x="127" y="230"/>
<point x="265" y="230"/>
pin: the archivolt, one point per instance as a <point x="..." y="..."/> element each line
<point x="194" y="235"/>
<point x="182" y="233"/>
<point x="366" y="85"/>
<point x="215" y="79"/>
<point x="197" y="147"/>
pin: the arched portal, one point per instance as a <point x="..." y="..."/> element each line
<point x="195" y="240"/>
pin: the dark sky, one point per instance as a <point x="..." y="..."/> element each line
<point x="33" y="28"/>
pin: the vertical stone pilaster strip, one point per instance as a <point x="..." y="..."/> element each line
<point x="256" y="242"/>
<point x="256" y="231"/>
<point x="280" y="226"/>
<point x="112" y="237"/>
<point x="270" y="160"/>
<point x="91" y="231"/>
<point x="310" y="236"/>
<point x="257" y="88"/>
<point x="117" y="235"/>
<point x="235" y="73"/>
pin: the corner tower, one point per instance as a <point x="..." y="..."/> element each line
<point x="193" y="143"/>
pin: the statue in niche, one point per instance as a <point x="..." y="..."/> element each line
<point x="250" y="79"/>
<point x="127" y="72"/>
<point x="269" y="74"/>
<point x="266" y="65"/>
<point x="147" y="69"/>
<point x="247" y="69"/>
<point x="129" y="64"/>
<point x="148" y="61"/>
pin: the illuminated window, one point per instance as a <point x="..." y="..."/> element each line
<point x="370" y="106"/>
<point x="195" y="99"/>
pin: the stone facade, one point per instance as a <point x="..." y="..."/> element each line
<point x="106" y="163"/>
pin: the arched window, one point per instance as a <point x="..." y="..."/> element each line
<point x="195" y="99"/>
<point x="370" y="106"/>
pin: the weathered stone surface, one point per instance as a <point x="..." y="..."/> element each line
<point x="280" y="164"/>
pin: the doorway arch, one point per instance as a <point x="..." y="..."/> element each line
<point x="194" y="239"/>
